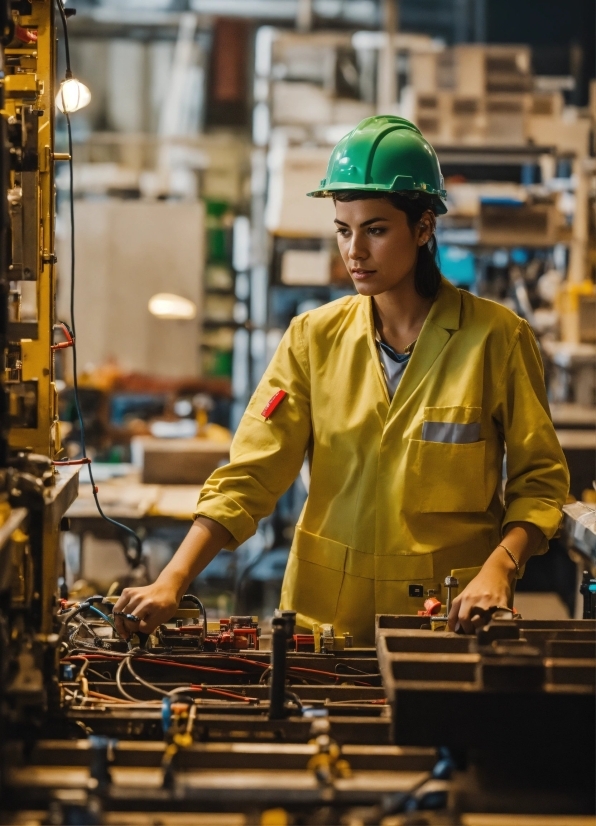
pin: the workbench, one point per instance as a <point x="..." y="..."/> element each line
<point x="146" y="509"/>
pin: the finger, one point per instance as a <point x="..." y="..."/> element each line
<point x="123" y="599"/>
<point x="134" y="604"/>
<point x="146" y="626"/>
<point x="471" y="620"/>
<point x="130" y="628"/>
<point x="453" y="614"/>
<point x="121" y="628"/>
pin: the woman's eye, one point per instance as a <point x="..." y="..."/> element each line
<point x="342" y="232"/>
<point x="376" y="230"/>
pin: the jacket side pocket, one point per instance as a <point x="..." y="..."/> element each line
<point x="314" y="576"/>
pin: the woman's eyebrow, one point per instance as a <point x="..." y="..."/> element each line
<point x="364" y="223"/>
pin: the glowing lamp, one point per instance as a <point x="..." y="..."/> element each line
<point x="172" y="307"/>
<point x="72" y="95"/>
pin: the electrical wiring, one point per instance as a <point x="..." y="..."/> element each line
<point x="174" y="664"/>
<point x="295" y="699"/>
<point x="81" y="624"/>
<point x="97" y="674"/>
<point x="197" y="601"/>
<point x="122" y="691"/>
<point x="381" y="701"/>
<point x="294" y="668"/>
<point x="98" y="695"/>
<point x="229" y="671"/>
<point x="103" y="616"/>
<point x="72" y="329"/>
<point x="68" y="616"/>
<point x="354" y="670"/>
<point x="148" y="685"/>
<point x="221" y="692"/>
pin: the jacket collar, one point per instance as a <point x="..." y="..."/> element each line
<point x="442" y="320"/>
<point x="446" y="310"/>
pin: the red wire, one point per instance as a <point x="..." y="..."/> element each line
<point x="244" y="660"/>
<point x="189" y="665"/>
<point x="231" y="694"/>
<point x="158" y="662"/>
<point x="327" y="674"/>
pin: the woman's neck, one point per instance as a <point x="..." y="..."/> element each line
<point x="400" y="313"/>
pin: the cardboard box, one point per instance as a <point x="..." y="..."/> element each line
<point x="467" y="119"/>
<point x="505" y="119"/>
<point x="587" y="318"/>
<point x="301" y="103"/>
<point x="431" y="72"/>
<point x="306" y="267"/>
<point x="177" y="461"/>
<point x="294" y="171"/>
<point x="533" y="225"/>
<point x="430" y="111"/>
<point x="545" y="104"/>
<point x="351" y="112"/>
<point x="482" y="69"/>
<point x="567" y="136"/>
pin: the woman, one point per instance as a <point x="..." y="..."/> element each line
<point x="404" y="397"/>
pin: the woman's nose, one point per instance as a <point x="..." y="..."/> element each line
<point x="358" y="250"/>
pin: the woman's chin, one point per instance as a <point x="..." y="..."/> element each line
<point x="370" y="286"/>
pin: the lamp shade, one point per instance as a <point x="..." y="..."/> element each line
<point x="72" y="95"/>
<point x="173" y="307"/>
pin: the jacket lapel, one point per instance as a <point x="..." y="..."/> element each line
<point x="370" y="336"/>
<point x="442" y="320"/>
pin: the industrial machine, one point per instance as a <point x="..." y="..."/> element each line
<point x="34" y="491"/>
<point x="214" y="719"/>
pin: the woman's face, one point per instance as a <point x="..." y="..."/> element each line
<point x="378" y="246"/>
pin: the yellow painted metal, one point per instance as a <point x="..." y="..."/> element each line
<point x="30" y="82"/>
<point x="37" y="73"/>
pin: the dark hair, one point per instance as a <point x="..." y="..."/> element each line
<point x="427" y="277"/>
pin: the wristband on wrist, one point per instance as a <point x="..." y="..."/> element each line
<point x="511" y="556"/>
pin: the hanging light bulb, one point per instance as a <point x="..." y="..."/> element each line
<point x="72" y="95"/>
<point x="173" y="307"/>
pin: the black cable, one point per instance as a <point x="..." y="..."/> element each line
<point x="290" y="695"/>
<point x="197" y="601"/>
<point x="66" y="43"/>
<point x="75" y="381"/>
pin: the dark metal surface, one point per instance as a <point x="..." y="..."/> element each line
<point x="517" y="701"/>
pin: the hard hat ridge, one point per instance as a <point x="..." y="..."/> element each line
<point x="384" y="153"/>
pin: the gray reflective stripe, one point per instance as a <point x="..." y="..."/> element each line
<point x="451" y="433"/>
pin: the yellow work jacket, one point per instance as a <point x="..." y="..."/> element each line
<point x="404" y="491"/>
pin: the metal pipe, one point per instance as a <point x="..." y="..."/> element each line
<point x="282" y="630"/>
<point x="277" y="685"/>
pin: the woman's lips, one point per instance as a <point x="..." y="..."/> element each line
<point x="362" y="275"/>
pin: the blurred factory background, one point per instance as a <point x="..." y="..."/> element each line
<point x="208" y="121"/>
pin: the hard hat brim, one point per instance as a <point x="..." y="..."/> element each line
<point x="440" y="207"/>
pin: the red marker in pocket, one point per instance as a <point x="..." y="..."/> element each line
<point x="273" y="403"/>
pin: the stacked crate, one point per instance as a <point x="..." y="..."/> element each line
<point x="478" y="95"/>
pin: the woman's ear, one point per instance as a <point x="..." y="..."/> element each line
<point x="426" y="226"/>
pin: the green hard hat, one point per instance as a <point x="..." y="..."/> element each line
<point x="384" y="154"/>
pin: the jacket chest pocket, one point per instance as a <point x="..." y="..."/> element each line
<point x="450" y="477"/>
<point x="448" y="463"/>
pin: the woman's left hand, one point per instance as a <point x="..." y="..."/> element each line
<point x="492" y="586"/>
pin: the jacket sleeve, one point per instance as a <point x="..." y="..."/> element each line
<point x="537" y="475"/>
<point x="266" y="454"/>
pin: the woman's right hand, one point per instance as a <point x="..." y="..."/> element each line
<point x="152" y="604"/>
<point x="157" y="603"/>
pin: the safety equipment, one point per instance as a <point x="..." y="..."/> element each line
<point x="385" y="154"/>
<point x="387" y="507"/>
